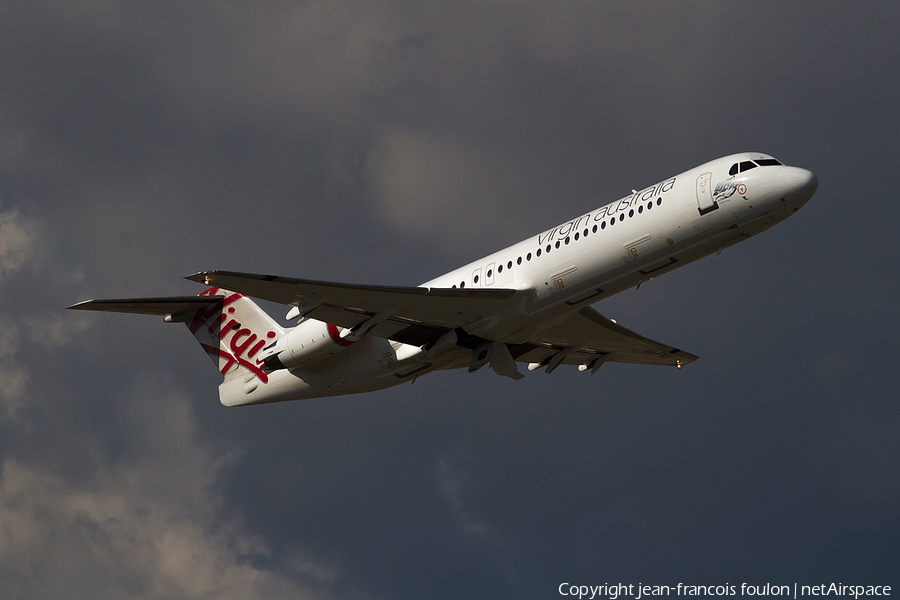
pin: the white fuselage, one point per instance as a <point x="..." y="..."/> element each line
<point x="593" y="256"/>
<point x="643" y="235"/>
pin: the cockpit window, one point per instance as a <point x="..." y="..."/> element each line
<point x="747" y="165"/>
<point x="733" y="170"/>
<point x="768" y="162"/>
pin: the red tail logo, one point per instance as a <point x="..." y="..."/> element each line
<point x="237" y="344"/>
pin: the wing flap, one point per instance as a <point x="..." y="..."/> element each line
<point x="415" y="310"/>
<point x="592" y="336"/>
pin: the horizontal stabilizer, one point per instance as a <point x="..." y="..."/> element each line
<point x="230" y="327"/>
<point x="174" y="305"/>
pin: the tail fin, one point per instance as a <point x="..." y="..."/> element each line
<point x="233" y="331"/>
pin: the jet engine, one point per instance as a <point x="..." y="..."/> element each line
<point x="306" y="343"/>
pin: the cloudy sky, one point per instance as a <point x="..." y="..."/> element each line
<point x="388" y="143"/>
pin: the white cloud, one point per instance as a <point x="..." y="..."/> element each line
<point x="17" y="238"/>
<point x="452" y="486"/>
<point x="12" y="392"/>
<point x="13" y="375"/>
<point x="447" y="188"/>
<point x="57" y="540"/>
<point x="147" y="526"/>
<point x="53" y="330"/>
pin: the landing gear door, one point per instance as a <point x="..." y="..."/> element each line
<point x="704" y="194"/>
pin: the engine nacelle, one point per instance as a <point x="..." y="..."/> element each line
<point x="306" y="343"/>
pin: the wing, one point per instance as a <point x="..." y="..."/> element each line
<point x="588" y="338"/>
<point x="418" y="316"/>
<point x="412" y="315"/>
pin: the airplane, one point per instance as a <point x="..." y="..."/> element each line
<point x="528" y="303"/>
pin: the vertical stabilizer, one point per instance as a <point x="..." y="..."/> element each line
<point x="233" y="331"/>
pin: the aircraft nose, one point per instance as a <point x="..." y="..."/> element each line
<point x="799" y="185"/>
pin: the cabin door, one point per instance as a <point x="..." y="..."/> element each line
<point x="705" y="194"/>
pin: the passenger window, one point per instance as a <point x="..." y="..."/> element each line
<point x="658" y="201"/>
<point x="576" y="237"/>
<point x="538" y="252"/>
<point x="602" y="225"/>
<point x="528" y="256"/>
<point x="630" y="213"/>
<point x="747" y="165"/>
<point x="640" y="209"/>
<point x="585" y="233"/>
<point x="509" y="265"/>
<point x="594" y="229"/>
<point x="499" y="270"/>
<point x="519" y="261"/>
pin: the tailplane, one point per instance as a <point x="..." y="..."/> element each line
<point x="230" y="327"/>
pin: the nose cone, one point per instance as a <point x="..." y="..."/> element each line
<point x="798" y="185"/>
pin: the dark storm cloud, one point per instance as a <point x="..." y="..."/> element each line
<point x="388" y="143"/>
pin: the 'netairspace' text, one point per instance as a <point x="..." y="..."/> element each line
<point x="639" y="591"/>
